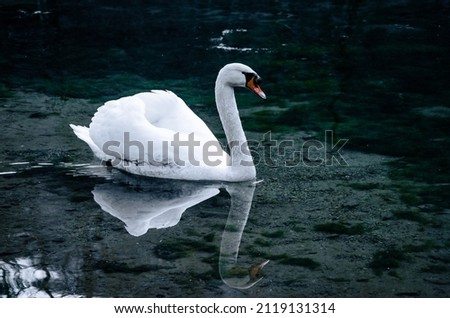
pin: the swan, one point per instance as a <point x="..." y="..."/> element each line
<point x="156" y="134"/>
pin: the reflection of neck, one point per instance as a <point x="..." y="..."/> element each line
<point x="237" y="141"/>
<point x="241" y="201"/>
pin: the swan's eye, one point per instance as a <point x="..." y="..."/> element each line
<point x="252" y="76"/>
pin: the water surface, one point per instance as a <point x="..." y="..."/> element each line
<point x="373" y="73"/>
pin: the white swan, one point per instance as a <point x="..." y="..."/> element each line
<point x="156" y="134"/>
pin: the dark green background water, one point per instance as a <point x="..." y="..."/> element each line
<point x="374" y="72"/>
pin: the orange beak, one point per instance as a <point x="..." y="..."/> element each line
<point x="252" y="84"/>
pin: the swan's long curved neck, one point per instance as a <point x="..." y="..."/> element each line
<point x="241" y="159"/>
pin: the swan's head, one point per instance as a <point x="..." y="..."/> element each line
<point x="240" y="75"/>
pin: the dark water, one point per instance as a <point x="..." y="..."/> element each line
<point x="375" y="73"/>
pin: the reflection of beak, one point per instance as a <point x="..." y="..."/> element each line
<point x="256" y="269"/>
<point x="252" y="84"/>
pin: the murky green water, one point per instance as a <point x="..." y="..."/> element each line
<point x="375" y="73"/>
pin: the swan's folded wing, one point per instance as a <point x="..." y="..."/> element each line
<point x="142" y="128"/>
<point x="166" y="110"/>
<point x="120" y="129"/>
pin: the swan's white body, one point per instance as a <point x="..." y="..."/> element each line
<point x="156" y="134"/>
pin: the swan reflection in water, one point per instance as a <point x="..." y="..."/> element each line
<point x="156" y="204"/>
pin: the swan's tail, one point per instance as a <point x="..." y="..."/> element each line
<point x="83" y="133"/>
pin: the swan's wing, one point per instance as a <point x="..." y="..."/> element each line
<point x="164" y="109"/>
<point x="141" y="128"/>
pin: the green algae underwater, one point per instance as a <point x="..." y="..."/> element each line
<point x="375" y="73"/>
